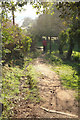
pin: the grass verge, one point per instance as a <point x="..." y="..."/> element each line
<point x="67" y="70"/>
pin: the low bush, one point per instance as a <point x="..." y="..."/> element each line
<point x="14" y="44"/>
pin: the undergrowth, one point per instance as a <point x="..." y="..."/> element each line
<point x="53" y="59"/>
<point x="35" y="54"/>
<point x="11" y="83"/>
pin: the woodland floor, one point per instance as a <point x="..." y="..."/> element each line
<point x="53" y="96"/>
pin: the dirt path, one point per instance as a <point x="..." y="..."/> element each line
<point x="53" y="96"/>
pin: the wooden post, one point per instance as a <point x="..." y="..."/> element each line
<point x="47" y="38"/>
<point x="50" y="44"/>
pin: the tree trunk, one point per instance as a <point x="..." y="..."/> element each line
<point x="13" y="9"/>
<point x="60" y="50"/>
<point x="70" y="49"/>
<point x="13" y="17"/>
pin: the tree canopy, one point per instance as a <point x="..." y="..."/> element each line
<point x="11" y="6"/>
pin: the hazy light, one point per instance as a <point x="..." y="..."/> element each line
<point x="28" y="12"/>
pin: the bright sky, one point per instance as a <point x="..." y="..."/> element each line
<point x="29" y="12"/>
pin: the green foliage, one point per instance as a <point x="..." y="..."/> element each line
<point x="11" y="33"/>
<point x="26" y="42"/>
<point x="69" y="40"/>
<point x="76" y="56"/>
<point x="63" y="37"/>
<point x="70" y="12"/>
<point x="68" y="9"/>
<point x="47" y="7"/>
<point x="63" y="40"/>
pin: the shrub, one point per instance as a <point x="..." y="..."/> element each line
<point x="14" y="43"/>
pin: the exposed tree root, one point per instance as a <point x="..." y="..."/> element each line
<point x="58" y="112"/>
